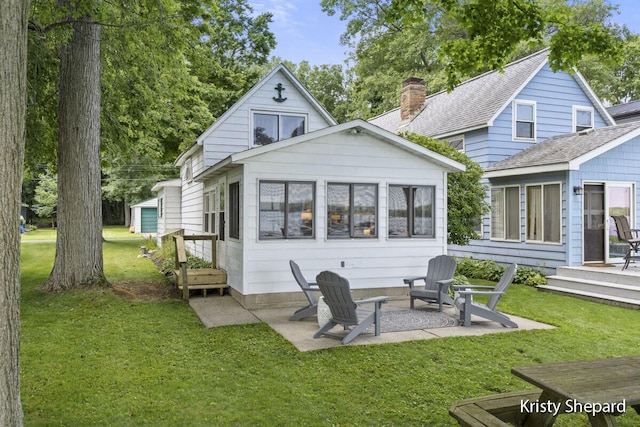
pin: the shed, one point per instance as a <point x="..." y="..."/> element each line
<point x="144" y="216"/>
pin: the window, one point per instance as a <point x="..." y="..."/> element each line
<point x="271" y="127"/>
<point x="352" y="210"/>
<point x="543" y="213"/>
<point x="505" y="213"/>
<point x="457" y="143"/>
<point x="209" y="220"/>
<point x="286" y="210"/>
<point x="582" y="118"/>
<point x="234" y="210"/>
<point x="160" y="207"/>
<point x="524" y="120"/>
<point x="188" y="170"/>
<point x="411" y="211"/>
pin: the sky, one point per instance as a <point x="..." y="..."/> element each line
<point x="304" y="32"/>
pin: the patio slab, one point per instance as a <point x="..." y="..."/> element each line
<point x="216" y="311"/>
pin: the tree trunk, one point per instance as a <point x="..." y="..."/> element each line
<point x="78" y="261"/>
<point x="13" y="94"/>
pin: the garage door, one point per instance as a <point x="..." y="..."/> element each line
<point x="149" y="220"/>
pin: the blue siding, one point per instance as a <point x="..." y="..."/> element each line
<point x="555" y="95"/>
<point x="543" y="256"/>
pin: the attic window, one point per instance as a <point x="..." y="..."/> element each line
<point x="582" y="118"/>
<point x="272" y="127"/>
<point x="524" y="120"/>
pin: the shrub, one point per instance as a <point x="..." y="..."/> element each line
<point x="490" y="270"/>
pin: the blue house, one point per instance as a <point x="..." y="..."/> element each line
<point x="556" y="164"/>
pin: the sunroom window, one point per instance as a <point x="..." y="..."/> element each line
<point x="505" y="213"/>
<point x="544" y="205"/>
<point x="286" y="209"/>
<point x="352" y="210"/>
<point x="411" y="211"/>
<point x="272" y="127"/>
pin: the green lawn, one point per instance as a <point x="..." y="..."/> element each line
<point x="108" y="232"/>
<point x="92" y="358"/>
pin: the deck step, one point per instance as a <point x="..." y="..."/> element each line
<point x="593" y="296"/>
<point x="203" y="279"/>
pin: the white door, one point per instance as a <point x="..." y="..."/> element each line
<point x="619" y="201"/>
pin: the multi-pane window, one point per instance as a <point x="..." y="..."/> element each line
<point x="286" y="209"/>
<point x="271" y="127"/>
<point x="411" y="211"/>
<point x="544" y="205"/>
<point x="209" y="219"/>
<point x="582" y="118"/>
<point x="234" y="210"/>
<point x="352" y="210"/>
<point x="505" y="213"/>
<point x="160" y="207"/>
<point x="524" y="120"/>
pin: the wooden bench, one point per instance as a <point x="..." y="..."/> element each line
<point x="497" y="410"/>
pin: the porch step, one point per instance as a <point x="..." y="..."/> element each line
<point x="614" y="275"/>
<point x="203" y="278"/>
<point x="596" y="290"/>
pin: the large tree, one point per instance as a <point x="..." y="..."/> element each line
<point x="78" y="261"/>
<point x="13" y="90"/>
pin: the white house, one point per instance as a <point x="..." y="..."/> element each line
<point x="169" y="206"/>
<point x="277" y="179"/>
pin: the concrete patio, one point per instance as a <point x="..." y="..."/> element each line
<point x="216" y="310"/>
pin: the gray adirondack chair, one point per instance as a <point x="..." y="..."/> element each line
<point x="344" y="310"/>
<point x="437" y="281"/>
<point x="468" y="306"/>
<point x="629" y="235"/>
<point x="310" y="290"/>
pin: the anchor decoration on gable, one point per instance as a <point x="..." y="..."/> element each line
<point x="279" y="88"/>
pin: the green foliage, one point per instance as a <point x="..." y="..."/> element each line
<point x="466" y="202"/>
<point x="46" y="196"/>
<point x="490" y="270"/>
<point x="495" y="28"/>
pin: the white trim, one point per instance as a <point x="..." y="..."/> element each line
<point x="514" y="119"/>
<point x="355" y="127"/>
<point x="574" y="117"/>
<point x="542" y="185"/>
<point x="460" y="131"/>
<point x="594" y="98"/>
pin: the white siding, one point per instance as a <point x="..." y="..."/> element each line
<point x="235" y="133"/>
<point x="191" y="201"/>
<point x="368" y="263"/>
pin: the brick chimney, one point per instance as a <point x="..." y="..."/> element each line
<point x="412" y="96"/>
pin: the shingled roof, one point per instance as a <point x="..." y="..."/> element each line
<point x="473" y="104"/>
<point x="564" y="152"/>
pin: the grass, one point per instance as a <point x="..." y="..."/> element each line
<point x="92" y="358"/>
<point x="108" y="232"/>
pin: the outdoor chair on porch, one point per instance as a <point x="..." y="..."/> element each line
<point x="437" y="281"/>
<point x="627" y="235"/>
<point x="309" y="289"/>
<point x="468" y="306"/>
<point x="344" y="310"/>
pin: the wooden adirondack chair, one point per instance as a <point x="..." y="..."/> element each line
<point x="309" y="289"/>
<point x="628" y="235"/>
<point x="439" y="277"/>
<point x="468" y="306"/>
<point x="344" y="310"/>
